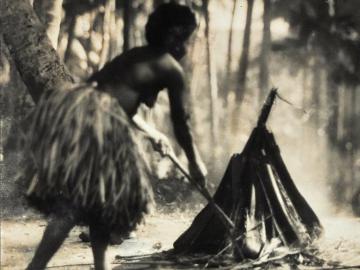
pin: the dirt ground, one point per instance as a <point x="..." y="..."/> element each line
<point x="20" y="236"/>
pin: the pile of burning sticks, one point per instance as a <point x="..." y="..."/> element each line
<point x="256" y="187"/>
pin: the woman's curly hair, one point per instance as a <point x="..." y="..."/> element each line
<point x="166" y="19"/>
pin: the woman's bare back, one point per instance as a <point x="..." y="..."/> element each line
<point x="137" y="76"/>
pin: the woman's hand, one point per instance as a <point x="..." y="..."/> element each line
<point x="161" y="144"/>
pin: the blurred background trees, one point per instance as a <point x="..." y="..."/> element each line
<point x="309" y="49"/>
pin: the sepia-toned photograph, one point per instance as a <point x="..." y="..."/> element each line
<point x="179" y="134"/>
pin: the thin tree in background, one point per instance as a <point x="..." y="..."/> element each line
<point x="229" y="49"/>
<point x="128" y="22"/>
<point x="348" y="143"/>
<point x="234" y="109"/>
<point x="49" y="13"/>
<point x="71" y="36"/>
<point x="265" y="52"/>
<point x="104" y="56"/>
<point x="344" y="145"/>
<point x="113" y="44"/>
<point x="244" y="58"/>
<point x="305" y="78"/>
<point x="332" y="99"/>
<point x="211" y="72"/>
<point x="88" y="45"/>
<point x="316" y="88"/>
<point x="353" y="137"/>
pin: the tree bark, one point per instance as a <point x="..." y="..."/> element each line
<point x="211" y="72"/>
<point x="333" y="104"/>
<point x="106" y="34"/>
<point x="244" y="59"/>
<point x="316" y="88"/>
<point x="35" y="58"/>
<point x="334" y="173"/>
<point x="49" y="13"/>
<point x="265" y="52"/>
<point x="113" y="50"/>
<point x="353" y="124"/>
<point x="243" y="67"/>
<point x="70" y="38"/>
<point x="128" y="21"/>
<point x="229" y="49"/>
<point x="4" y="68"/>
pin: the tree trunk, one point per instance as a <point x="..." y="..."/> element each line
<point x="352" y="138"/>
<point x="106" y="34"/>
<point x="49" y="13"/>
<point x="305" y="77"/>
<point x="91" y="67"/>
<point x="70" y="38"/>
<point x="228" y="76"/>
<point x="35" y="58"/>
<point x="113" y="50"/>
<point x="303" y="151"/>
<point x="333" y="156"/>
<point x="128" y="21"/>
<point x="244" y="59"/>
<point x="243" y="67"/>
<point x="333" y="104"/>
<point x="4" y="67"/>
<point x="316" y="88"/>
<point x="211" y="72"/>
<point x="265" y="52"/>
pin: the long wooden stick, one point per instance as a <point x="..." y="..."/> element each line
<point x="203" y="190"/>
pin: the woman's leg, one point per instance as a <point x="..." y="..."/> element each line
<point x="55" y="233"/>
<point x="99" y="237"/>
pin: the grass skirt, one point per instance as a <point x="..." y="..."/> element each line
<point x="83" y="155"/>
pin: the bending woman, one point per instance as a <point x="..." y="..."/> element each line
<point x="86" y="167"/>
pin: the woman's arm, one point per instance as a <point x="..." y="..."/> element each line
<point x="145" y="127"/>
<point x="180" y="120"/>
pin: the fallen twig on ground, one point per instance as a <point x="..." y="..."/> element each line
<point x="335" y="267"/>
<point x="69" y="265"/>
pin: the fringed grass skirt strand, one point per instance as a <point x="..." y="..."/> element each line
<point x="84" y="153"/>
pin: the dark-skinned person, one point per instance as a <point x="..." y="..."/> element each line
<point x="85" y="165"/>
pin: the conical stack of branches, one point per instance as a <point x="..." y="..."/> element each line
<point x="256" y="186"/>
